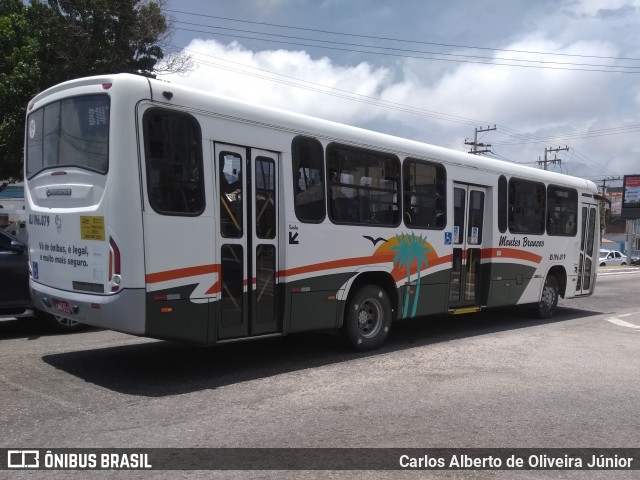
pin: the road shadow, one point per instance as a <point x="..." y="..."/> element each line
<point x="159" y="368"/>
<point x="30" y="328"/>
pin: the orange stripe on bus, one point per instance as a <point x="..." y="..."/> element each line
<point x="179" y="273"/>
<point x="440" y="260"/>
<point x="398" y="274"/>
<point x="182" y="273"/>
<point x="511" y="253"/>
<point x="486" y="253"/>
<point x="335" y="264"/>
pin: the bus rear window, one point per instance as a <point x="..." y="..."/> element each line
<point x="73" y="132"/>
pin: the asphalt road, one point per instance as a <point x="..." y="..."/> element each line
<point x="495" y="379"/>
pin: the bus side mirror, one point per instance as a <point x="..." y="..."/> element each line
<point x="17" y="247"/>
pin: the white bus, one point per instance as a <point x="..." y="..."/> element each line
<point x="162" y="211"/>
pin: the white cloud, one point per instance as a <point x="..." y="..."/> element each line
<point x="235" y="71"/>
<point x="537" y="101"/>
<point x="523" y="97"/>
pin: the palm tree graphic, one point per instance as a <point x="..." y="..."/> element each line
<point x="403" y="258"/>
<point x="409" y="250"/>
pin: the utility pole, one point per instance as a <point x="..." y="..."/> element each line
<point x="604" y="183"/>
<point x="604" y="193"/>
<point x="631" y="239"/>
<point x="546" y="161"/>
<point x="486" y="148"/>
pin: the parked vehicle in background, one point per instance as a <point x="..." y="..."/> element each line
<point x="611" y="258"/>
<point x="634" y="258"/>
<point x="18" y="230"/>
<point x="15" y="300"/>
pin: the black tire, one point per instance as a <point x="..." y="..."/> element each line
<point x="367" y="318"/>
<point x="603" y="264"/>
<point x="548" y="303"/>
<point x="60" y="324"/>
<point x="623" y="264"/>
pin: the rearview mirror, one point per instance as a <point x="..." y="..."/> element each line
<point x="17" y="247"/>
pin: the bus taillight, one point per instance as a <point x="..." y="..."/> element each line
<point x="114" y="265"/>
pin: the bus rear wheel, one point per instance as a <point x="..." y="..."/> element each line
<point x="548" y="298"/>
<point x="60" y="324"/>
<point x="367" y="318"/>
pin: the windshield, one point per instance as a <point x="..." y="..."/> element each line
<point x="71" y="132"/>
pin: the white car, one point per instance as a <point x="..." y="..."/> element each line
<point x="608" y="258"/>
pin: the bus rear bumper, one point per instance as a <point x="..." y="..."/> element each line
<point x="123" y="311"/>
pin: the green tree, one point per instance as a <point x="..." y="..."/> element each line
<point x="43" y="44"/>
<point x="106" y="36"/>
<point x="19" y="80"/>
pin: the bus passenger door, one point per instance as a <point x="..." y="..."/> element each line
<point x="465" y="289"/>
<point x="264" y="250"/>
<point x="246" y="187"/>
<point x="588" y="249"/>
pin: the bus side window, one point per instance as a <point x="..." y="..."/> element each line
<point x="424" y="194"/>
<point x="526" y="206"/>
<point x="562" y="211"/>
<point x="502" y="203"/>
<point x="363" y="186"/>
<point x="308" y="179"/>
<point x="173" y="156"/>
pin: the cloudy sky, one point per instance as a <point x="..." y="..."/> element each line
<point x="547" y="74"/>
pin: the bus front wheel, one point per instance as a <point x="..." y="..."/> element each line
<point x="367" y="318"/>
<point x="549" y="298"/>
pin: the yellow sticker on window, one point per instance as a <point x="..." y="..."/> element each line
<point x="92" y="228"/>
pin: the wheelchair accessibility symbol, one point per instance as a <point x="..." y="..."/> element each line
<point x="447" y="238"/>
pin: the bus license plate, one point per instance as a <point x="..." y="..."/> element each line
<point x="62" y="306"/>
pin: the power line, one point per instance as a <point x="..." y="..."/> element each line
<point x="318" y="87"/>
<point x="395" y="49"/>
<point x="520" y="136"/>
<point x="419" y="57"/>
<point x="592" y="164"/>
<point x="525" y="137"/>
<point x="422" y="42"/>
<point x="577" y="135"/>
<point x="339" y="93"/>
